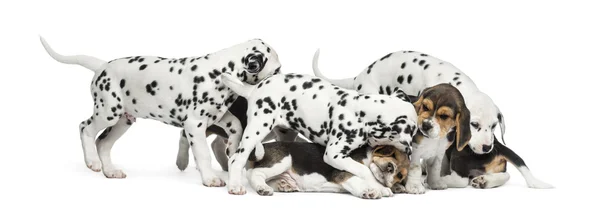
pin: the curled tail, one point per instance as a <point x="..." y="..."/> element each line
<point x="347" y="83"/>
<point x="236" y="85"/>
<point x="88" y="62"/>
<point x="518" y="162"/>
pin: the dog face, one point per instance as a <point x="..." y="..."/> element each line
<point x="441" y="109"/>
<point x="485" y="118"/>
<point x="259" y="61"/>
<point x="389" y="165"/>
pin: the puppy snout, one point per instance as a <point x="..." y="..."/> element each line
<point x="486" y="148"/>
<point x="426" y="126"/>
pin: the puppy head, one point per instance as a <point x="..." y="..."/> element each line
<point x="258" y="61"/>
<point x="442" y="109"/>
<point x="485" y="118"/>
<point x="389" y="165"/>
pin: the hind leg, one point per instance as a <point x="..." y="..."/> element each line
<point x="195" y="132"/>
<point x="258" y="176"/>
<point x="88" y="131"/>
<point x="105" y="142"/>
<point x="490" y="180"/>
<point x="254" y="133"/>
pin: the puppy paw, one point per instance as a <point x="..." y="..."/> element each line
<point x="114" y="173"/>
<point x="415" y="188"/>
<point x="370" y="193"/>
<point x="213" y="182"/>
<point x="479" y="182"/>
<point x="439" y="185"/>
<point x="387" y="192"/>
<point x="94" y="165"/>
<point x="398" y="188"/>
<point x="264" y="190"/>
<point x="236" y="189"/>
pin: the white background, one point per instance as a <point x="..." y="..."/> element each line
<point x="537" y="60"/>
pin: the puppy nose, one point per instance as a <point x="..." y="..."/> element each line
<point x="486" y="148"/>
<point x="426" y="126"/>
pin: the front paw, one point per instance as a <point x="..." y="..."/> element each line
<point x="264" y="190"/>
<point x="370" y="193"/>
<point x="387" y="192"/>
<point x="114" y="173"/>
<point x="479" y="182"/>
<point x="415" y="188"/>
<point x="398" y="188"/>
<point x="236" y="189"/>
<point x="438" y="185"/>
<point x="213" y="182"/>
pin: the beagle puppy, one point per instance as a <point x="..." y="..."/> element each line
<point x="298" y="166"/>
<point x="463" y="168"/>
<point x="443" y="118"/>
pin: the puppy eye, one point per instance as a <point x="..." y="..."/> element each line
<point x="494" y="126"/>
<point x="475" y="124"/>
<point x="425" y="108"/>
<point x="444" y="116"/>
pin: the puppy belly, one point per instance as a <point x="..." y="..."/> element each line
<point x="313" y="182"/>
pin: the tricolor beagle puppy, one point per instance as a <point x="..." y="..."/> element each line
<point x="443" y="118"/>
<point x="465" y="167"/>
<point x="298" y="166"/>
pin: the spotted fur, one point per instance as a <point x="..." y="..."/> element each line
<point x="182" y="92"/>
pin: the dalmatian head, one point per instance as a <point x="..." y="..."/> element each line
<point x="389" y="165"/>
<point x="258" y="61"/>
<point x="397" y="124"/>
<point x="485" y="118"/>
<point x="443" y="114"/>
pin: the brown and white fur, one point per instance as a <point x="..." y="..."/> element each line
<point x="443" y="118"/>
<point x="298" y="166"/>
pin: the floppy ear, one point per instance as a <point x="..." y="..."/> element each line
<point x="502" y="126"/>
<point x="383" y="150"/>
<point x="463" y="131"/>
<point x="417" y="104"/>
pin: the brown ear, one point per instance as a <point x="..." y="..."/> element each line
<point x="463" y="131"/>
<point x="383" y="150"/>
<point x="417" y="104"/>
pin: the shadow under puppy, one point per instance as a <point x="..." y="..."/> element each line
<point x="299" y="167"/>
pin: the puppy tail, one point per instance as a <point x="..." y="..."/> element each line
<point x="347" y="83"/>
<point x="236" y="85"/>
<point x="517" y="161"/>
<point x="88" y="62"/>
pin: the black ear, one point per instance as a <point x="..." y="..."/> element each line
<point x="463" y="131"/>
<point x="254" y="62"/>
<point x="502" y="126"/>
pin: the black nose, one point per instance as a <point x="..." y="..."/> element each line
<point x="426" y="126"/>
<point x="486" y="148"/>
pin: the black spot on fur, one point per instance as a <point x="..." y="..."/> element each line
<point x="143" y="67"/>
<point x="400" y="79"/>
<point x="122" y="84"/>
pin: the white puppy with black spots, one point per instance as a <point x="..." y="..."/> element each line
<point x="413" y="72"/>
<point x="183" y="92"/>
<point x="342" y="120"/>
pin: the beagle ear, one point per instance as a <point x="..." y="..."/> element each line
<point x="502" y="126"/>
<point x="463" y="131"/>
<point x="383" y="150"/>
<point x="417" y="103"/>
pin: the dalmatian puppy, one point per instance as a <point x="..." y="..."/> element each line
<point x="182" y="92"/>
<point x="342" y="120"/>
<point x="413" y="72"/>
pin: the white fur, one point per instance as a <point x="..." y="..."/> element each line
<point x="532" y="181"/>
<point x="432" y="153"/>
<point x="156" y="88"/>
<point x="312" y="105"/>
<point x="388" y="72"/>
